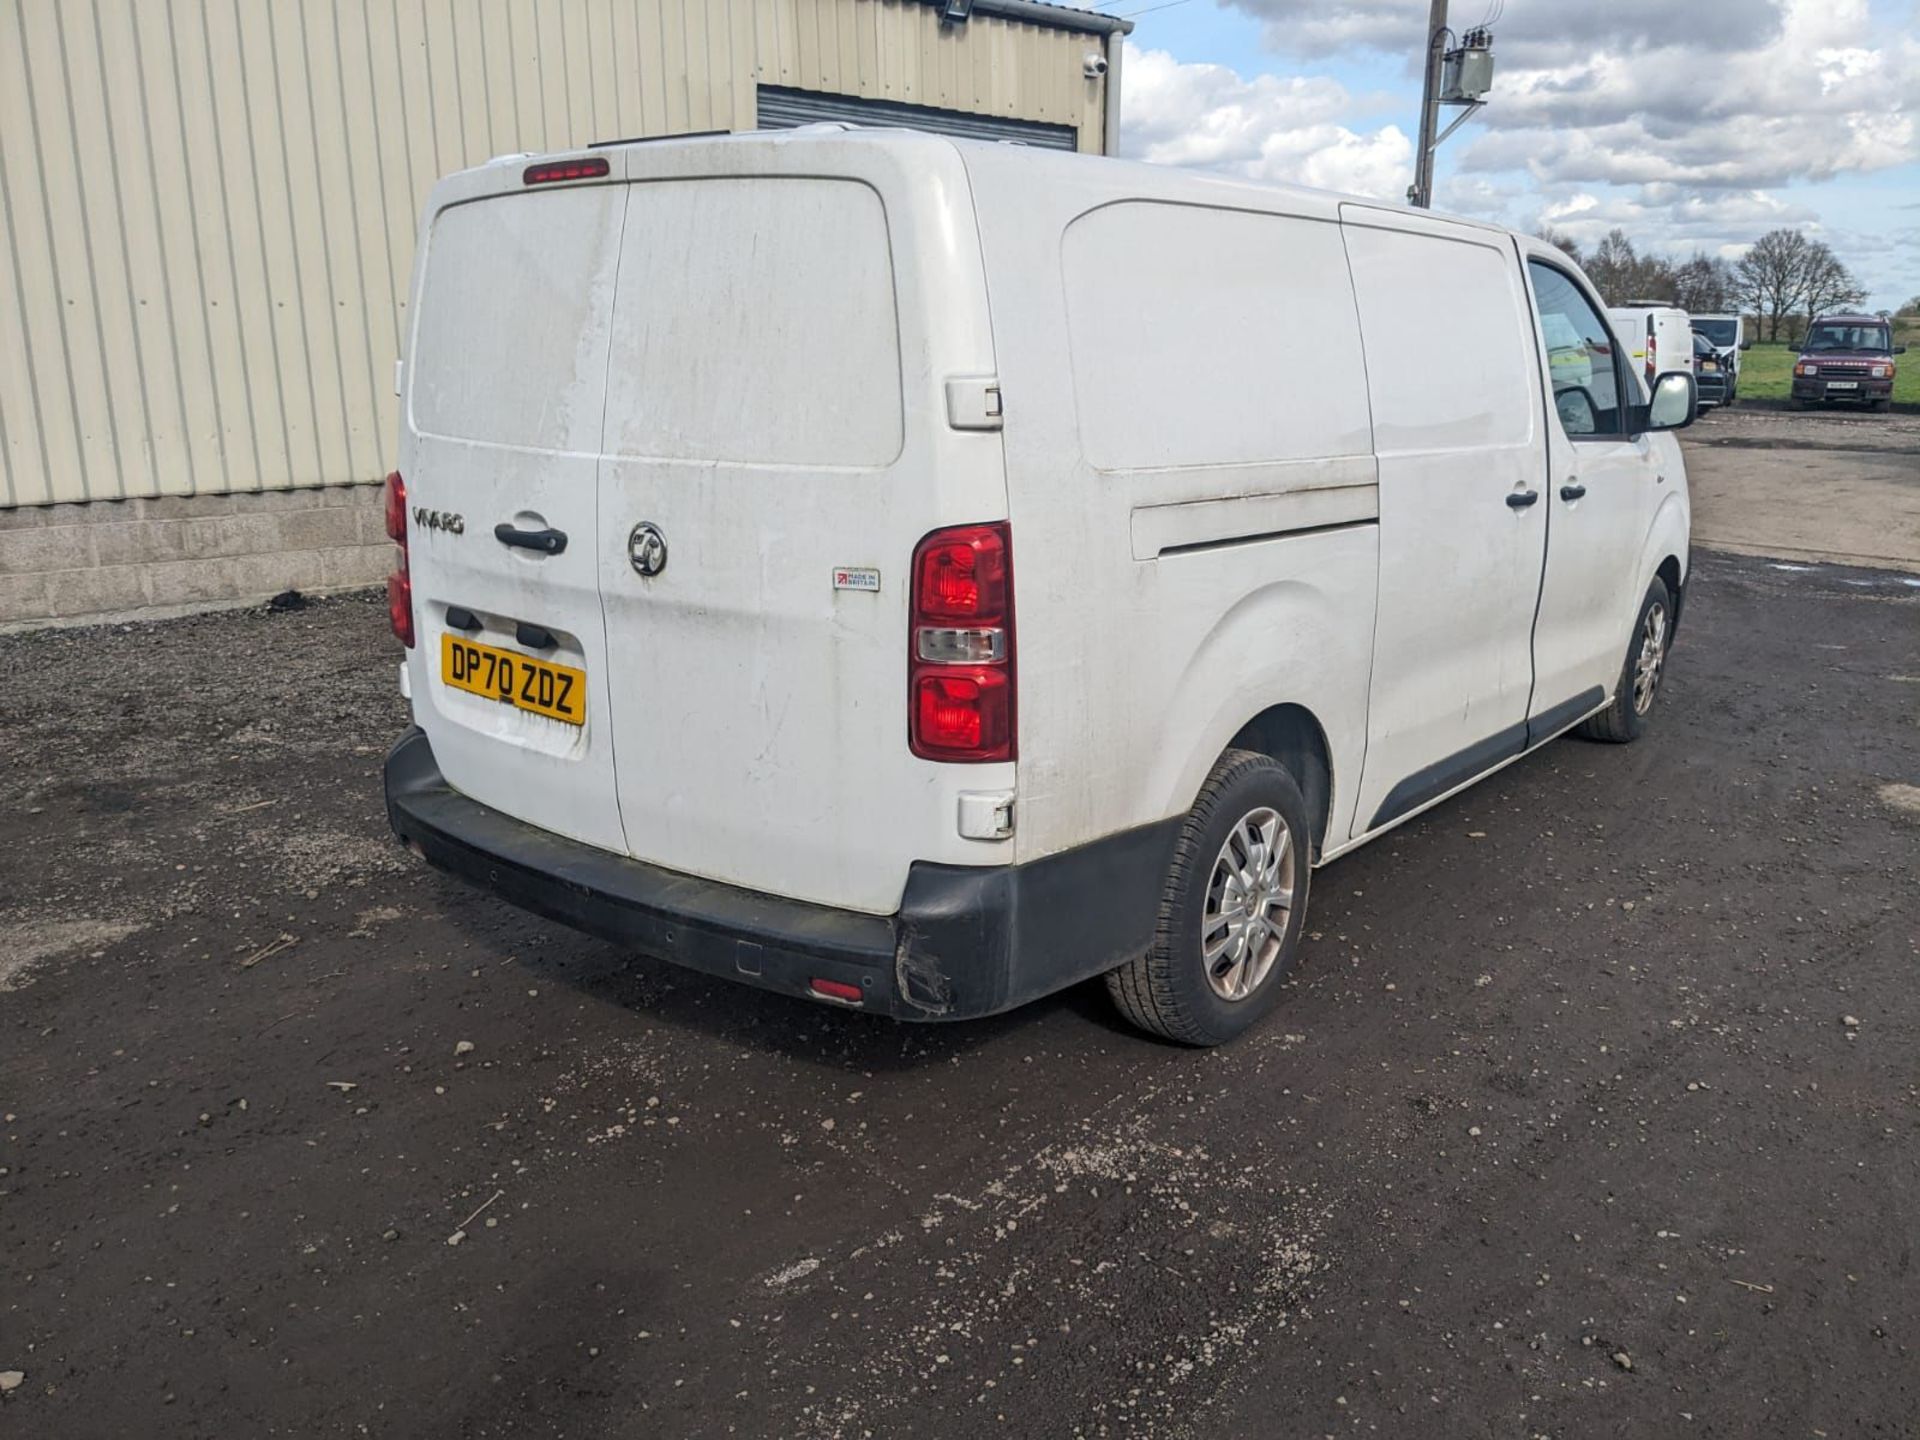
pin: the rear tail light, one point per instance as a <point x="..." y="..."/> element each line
<point x="400" y="604"/>
<point x="961" y="680"/>
<point x="400" y="582"/>
<point x="396" y="498"/>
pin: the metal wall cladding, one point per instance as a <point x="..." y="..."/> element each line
<point x="209" y="205"/>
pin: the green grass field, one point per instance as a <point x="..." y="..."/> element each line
<point x="1766" y="371"/>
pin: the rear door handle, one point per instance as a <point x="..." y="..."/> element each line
<point x="547" y="542"/>
<point x="1521" y="499"/>
<point x="1572" y="490"/>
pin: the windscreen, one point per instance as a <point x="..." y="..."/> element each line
<point x="1720" y="332"/>
<point x="1830" y="336"/>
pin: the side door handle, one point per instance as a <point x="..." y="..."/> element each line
<point x="547" y="542"/>
<point x="1572" y="490"/>
<point x="1521" y="499"/>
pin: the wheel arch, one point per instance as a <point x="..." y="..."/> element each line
<point x="1666" y="554"/>
<point x="1292" y="735"/>
<point x="1671" y="574"/>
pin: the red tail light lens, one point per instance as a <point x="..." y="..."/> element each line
<point x="400" y="603"/>
<point x="963" y="714"/>
<point x="396" y="509"/>
<point x="400" y="583"/>
<point x="961" y="683"/>
<point x="550" y="171"/>
<point x="963" y="575"/>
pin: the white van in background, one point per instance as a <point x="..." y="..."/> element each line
<point x="1659" y="338"/>
<point x="1728" y="336"/>
<point x="919" y="574"/>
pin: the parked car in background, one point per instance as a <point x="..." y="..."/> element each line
<point x="1711" y="381"/>
<point x="1729" y="336"/>
<point x="849" y="561"/>
<point x="1658" y="338"/>
<point x="1846" y="359"/>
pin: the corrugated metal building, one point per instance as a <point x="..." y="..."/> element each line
<point x="209" y="211"/>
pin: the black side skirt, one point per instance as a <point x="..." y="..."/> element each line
<point x="1477" y="759"/>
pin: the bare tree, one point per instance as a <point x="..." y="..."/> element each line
<point x="1560" y="241"/>
<point x="1772" y="277"/>
<point x="1826" y="284"/>
<point x="1704" y="284"/>
<point x="1611" y="265"/>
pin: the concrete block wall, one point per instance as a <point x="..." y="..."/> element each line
<point x="109" y="559"/>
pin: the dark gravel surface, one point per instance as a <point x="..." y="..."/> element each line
<point x="1565" y="1129"/>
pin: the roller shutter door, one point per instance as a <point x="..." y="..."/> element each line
<point x="782" y="109"/>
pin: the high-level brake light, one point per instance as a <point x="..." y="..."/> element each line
<point x="549" y="172"/>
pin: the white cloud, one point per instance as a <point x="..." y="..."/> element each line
<point x="1687" y="125"/>
<point x="1656" y="217"/>
<point x="1265" y="128"/>
<point x="1735" y="94"/>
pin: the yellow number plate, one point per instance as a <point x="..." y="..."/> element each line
<point x="556" y="691"/>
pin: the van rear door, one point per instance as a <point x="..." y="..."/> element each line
<point x="505" y="389"/>
<point x="789" y="314"/>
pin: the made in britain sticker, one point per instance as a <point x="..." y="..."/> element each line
<point x="856" y="577"/>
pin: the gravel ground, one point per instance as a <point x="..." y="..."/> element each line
<point x="1825" y="485"/>
<point x="1593" y="1112"/>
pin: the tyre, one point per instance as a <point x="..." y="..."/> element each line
<point x="1232" y="911"/>
<point x="1877" y="405"/>
<point x="1640" y="674"/>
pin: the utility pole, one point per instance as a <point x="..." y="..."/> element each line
<point x="1453" y="75"/>
<point x="1420" y="193"/>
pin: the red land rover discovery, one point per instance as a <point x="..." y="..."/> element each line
<point x="1846" y="357"/>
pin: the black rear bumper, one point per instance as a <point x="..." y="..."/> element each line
<point x="967" y="940"/>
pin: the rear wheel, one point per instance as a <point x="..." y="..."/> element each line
<point x="1640" y="676"/>
<point x="1232" y="910"/>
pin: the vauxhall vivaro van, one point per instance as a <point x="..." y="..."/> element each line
<point x="919" y="575"/>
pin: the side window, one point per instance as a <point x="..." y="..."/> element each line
<point x="1581" y="358"/>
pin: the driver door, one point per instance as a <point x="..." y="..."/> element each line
<point x="1603" y="487"/>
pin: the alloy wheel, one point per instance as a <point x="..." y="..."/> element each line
<point x="1249" y="902"/>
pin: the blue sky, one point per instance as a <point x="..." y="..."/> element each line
<point x="1689" y="126"/>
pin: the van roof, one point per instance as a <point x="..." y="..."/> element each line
<point x="1122" y="177"/>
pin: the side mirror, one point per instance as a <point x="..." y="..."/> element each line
<point x="1899" y="349"/>
<point x="1577" y="415"/>
<point x="1675" y="399"/>
<point x="1747" y="344"/>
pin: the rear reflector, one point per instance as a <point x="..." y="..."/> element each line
<point x="835" y="990"/>
<point x="549" y="172"/>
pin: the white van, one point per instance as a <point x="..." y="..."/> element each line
<point x="1728" y="336"/>
<point x="1659" y="339"/>
<point x="920" y="575"/>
